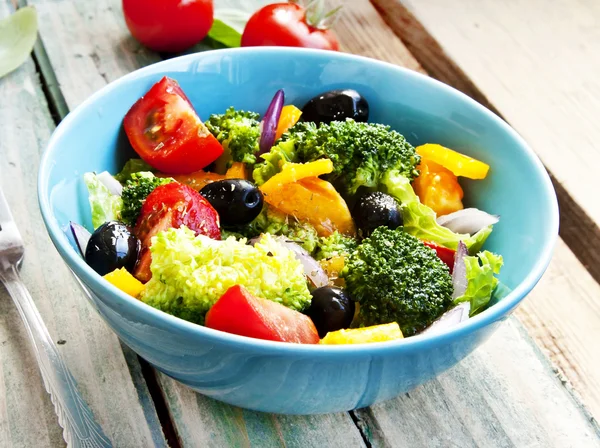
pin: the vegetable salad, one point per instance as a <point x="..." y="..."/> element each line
<point x="305" y="225"/>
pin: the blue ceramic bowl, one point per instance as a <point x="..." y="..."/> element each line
<point x="288" y="378"/>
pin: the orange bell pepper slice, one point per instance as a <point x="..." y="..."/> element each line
<point x="289" y="117"/>
<point x="315" y="201"/>
<point x="459" y="164"/>
<point x="293" y="172"/>
<point x="237" y="170"/>
<point x="438" y="188"/>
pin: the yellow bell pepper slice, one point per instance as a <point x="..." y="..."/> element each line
<point x="459" y="164"/>
<point x="237" y="171"/>
<point x="293" y="172"/>
<point x="126" y="282"/>
<point x="332" y="267"/>
<point x="289" y="117"/>
<point x="315" y="201"/>
<point x="366" y="335"/>
<point x="438" y="188"/>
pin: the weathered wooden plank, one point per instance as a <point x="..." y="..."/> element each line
<point x="561" y="314"/>
<point x="202" y="421"/>
<point x="110" y="382"/>
<point x="500" y="396"/>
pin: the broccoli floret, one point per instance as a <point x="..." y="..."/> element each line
<point x="274" y="222"/>
<point x="395" y="277"/>
<point x="334" y="245"/>
<point x="361" y="152"/>
<point x="238" y="131"/>
<point x="135" y="192"/>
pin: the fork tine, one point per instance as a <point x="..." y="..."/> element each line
<point x="5" y="215"/>
<point x="11" y="242"/>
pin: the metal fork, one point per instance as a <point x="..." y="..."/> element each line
<point x="74" y="416"/>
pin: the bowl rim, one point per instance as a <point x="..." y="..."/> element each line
<point x="496" y="312"/>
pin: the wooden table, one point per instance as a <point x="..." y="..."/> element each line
<point x="529" y="60"/>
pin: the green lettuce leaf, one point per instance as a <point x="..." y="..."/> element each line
<point x="420" y="220"/>
<point x="481" y="280"/>
<point x="131" y="167"/>
<point x="105" y="206"/>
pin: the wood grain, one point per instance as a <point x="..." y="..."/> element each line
<point x="562" y="314"/>
<point x="500" y="396"/>
<point x="107" y="379"/>
<point x="202" y="421"/>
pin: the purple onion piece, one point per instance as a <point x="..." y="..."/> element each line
<point x="270" y="121"/>
<point x="459" y="271"/>
<point x="450" y="318"/>
<point x="467" y="221"/>
<point x="81" y="236"/>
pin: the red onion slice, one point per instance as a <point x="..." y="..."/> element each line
<point x="81" y="236"/>
<point x="113" y="185"/>
<point x="459" y="271"/>
<point x="312" y="268"/>
<point x="270" y="121"/>
<point x="450" y="318"/>
<point x="467" y="221"/>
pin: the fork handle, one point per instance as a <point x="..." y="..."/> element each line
<point x="74" y="416"/>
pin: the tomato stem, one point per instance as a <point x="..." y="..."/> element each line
<point x="316" y="16"/>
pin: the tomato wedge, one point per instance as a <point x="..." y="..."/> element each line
<point x="443" y="253"/>
<point x="239" y="312"/>
<point x="165" y="131"/>
<point x="172" y="205"/>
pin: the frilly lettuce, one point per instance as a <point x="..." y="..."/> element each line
<point x="190" y="273"/>
<point x="420" y="220"/>
<point x="105" y="206"/>
<point x="481" y="281"/>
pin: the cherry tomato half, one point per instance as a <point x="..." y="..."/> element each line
<point x="285" y="25"/>
<point x="172" y="206"/>
<point x="168" y="25"/>
<point x="165" y="131"/>
<point x="239" y="312"/>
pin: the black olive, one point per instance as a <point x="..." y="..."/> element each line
<point x="336" y="105"/>
<point x="237" y="201"/>
<point x="112" y="246"/>
<point x="376" y="209"/>
<point x="330" y="309"/>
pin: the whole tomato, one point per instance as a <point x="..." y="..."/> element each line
<point x="286" y="25"/>
<point x="168" y="25"/>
